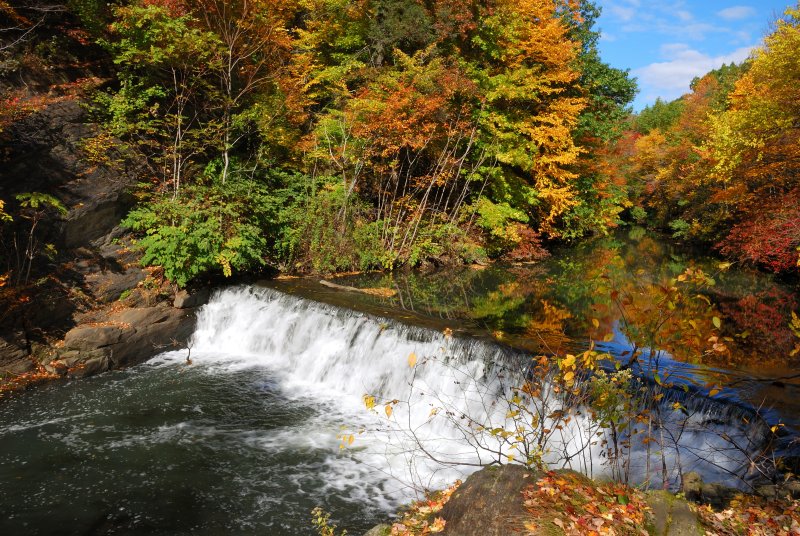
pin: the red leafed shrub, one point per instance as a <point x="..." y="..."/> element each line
<point x="764" y="316"/>
<point x="770" y="238"/>
<point x="529" y="248"/>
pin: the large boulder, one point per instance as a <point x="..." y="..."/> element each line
<point x="489" y="503"/>
<point x="94" y="337"/>
<point x="716" y="495"/>
<point x="671" y="516"/>
<point x="126" y="338"/>
<point x="186" y="300"/>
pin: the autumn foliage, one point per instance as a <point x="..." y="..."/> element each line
<point x="399" y="121"/>
<point x="720" y="165"/>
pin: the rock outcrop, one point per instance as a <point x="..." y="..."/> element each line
<point x="489" y="503"/>
<point x="43" y="152"/>
<point x="126" y="338"/>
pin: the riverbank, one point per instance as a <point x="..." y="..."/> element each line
<point x="499" y="501"/>
<point x="122" y="334"/>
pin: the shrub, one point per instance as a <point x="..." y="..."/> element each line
<point x="209" y="227"/>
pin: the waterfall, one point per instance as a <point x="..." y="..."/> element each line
<point x="335" y="356"/>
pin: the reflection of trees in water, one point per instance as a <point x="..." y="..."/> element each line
<point x="715" y="315"/>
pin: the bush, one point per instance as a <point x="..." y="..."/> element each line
<point x="499" y="222"/>
<point x="506" y="233"/>
<point x="639" y="215"/>
<point x="680" y="228"/>
<point x="317" y="228"/>
<point x="209" y="227"/>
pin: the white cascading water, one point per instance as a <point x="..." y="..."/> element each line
<point x="334" y="356"/>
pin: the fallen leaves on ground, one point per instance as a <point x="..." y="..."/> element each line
<point x="752" y="516"/>
<point x="577" y="506"/>
<point x="421" y="518"/>
<point x="18" y="382"/>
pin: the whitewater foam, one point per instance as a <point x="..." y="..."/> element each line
<point x="331" y="357"/>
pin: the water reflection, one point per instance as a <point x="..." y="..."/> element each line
<point x="637" y="297"/>
<point x="635" y="281"/>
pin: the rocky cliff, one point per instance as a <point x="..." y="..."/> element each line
<point x="84" y="279"/>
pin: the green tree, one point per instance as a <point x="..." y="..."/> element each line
<point x="168" y="100"/>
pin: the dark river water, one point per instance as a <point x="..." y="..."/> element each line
<point x="268" y="421"/>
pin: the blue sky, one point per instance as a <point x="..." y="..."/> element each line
<point x="666" y="44"/>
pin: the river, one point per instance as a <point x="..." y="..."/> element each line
<point x="267" y="418"/>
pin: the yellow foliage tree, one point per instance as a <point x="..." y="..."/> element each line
<point x="532" y="112"/>
<point x="758" y="139"/>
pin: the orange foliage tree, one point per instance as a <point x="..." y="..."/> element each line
<point x="720" y="165"/>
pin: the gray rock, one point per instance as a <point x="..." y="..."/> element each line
<point x="672" y="516"/>
<point x="683" y="522"/>
<point x="71" y="357"/>
<point x="768" y="492"/>
<point x="57" y="367"/>
<point x="162" y="334"/>
<point x="108" y="286"/>
<point x="715" y="495"/>
<point x="692" y="486"/>
<point x="13" y="348"/>
<point x="93" y="366"/>
<point x="184" y="300"/>
<point x="134" y="336"/>
<point x="660" y="503"/>
<point x="791" y="488"/>
<point x="20" y="366"/>
<point x="46" y="156"/>
<point x="489" y="503"/>
<point x="93" y="337"/>
<point x="379" y="530"/>
<point x="142" y="317"/>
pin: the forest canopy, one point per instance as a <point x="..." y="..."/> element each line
<point x="721" y="165"/>
<point x="328" y="135"/>
<point x="335" y="135"/>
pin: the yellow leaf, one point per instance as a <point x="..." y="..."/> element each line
<point x="595" y="323"/>
<point x="717" y="322"/>
<point x="713" y="392"/>
<point x="351" y="439"/>
<point x="568" y="361"/>
<point x="437" y="525"/>
<point x="569" y="376"/>
<point x="388" y="409"/>
<point x="412" y="359"/>
<point x="369" y="401"/>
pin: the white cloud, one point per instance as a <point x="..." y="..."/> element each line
<point x="625" y="14"/>
<point x="685" y="16"/>
<point x="607" y="37"/>
<point x="737" y="13"/>
<point x="671" y="78"/>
